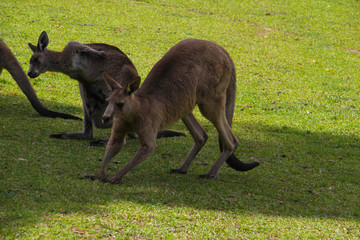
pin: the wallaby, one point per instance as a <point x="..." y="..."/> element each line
<point x="86" y="63"/>
<point x="193" y="72"/>
<point x="10" y="63"/>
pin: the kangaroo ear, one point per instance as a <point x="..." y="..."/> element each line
<point x="43" y="42"/>
<point x="133" y="85"/>
<point x="111" y="82"/>
<point x="32" y="47"/>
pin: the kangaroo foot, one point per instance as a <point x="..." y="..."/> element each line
<point x="91" y="177"/>
<point x="99" y="143"/>
<point x="114" y="181"/>
<point x="94" y="177"/>
<point x="70" y="136"/>
<point x="177" y="171"/>
<point x="59" y="136"/>
<point x="206" y="176"/>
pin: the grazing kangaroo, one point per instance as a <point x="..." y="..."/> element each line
<point x="10" y="63"/>
<point x="192" y="72"/>
<point x="86" y="63"/>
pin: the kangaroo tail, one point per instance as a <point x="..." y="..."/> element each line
<point x="237" y="164"/>
<point x="29" y="91"/>
<point x="169" y="133"/>
<point x="12" y="65"/>
<point x="51" y="114"/>
<point x="233" y="161"/>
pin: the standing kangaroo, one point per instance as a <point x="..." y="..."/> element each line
<point x="192" y="72"/>
<point x="9" y="62"/>
<point x="86" y="63"/>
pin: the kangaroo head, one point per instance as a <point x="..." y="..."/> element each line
<point x="39" y="61"/>
<point x="121" y="100"/>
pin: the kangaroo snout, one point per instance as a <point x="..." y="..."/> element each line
<point x="32" y="74"/>
<point x="106" y="118"/>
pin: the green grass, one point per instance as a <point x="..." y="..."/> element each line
<point x="297" y="113"/>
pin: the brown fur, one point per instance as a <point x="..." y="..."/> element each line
<point x="192" y="72"/>
<point x="86" y="63"/>
<point x="9" y="62"/>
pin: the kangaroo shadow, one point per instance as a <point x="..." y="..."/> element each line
<point x="302" y="174"/>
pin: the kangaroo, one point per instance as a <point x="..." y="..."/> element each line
<point x="85" y="63"/>
<point x="193" y="72"/>
<point x="10" y="63"/>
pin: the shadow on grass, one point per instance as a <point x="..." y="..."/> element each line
<point x="19" y="105"/>
<point x="302" y="173"/>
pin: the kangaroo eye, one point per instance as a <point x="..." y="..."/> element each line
<point x="120" y="105"/>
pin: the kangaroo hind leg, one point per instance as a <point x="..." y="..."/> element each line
<point x="214" y="111"/>
<point x="200" y="137"/>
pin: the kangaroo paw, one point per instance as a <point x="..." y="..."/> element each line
<point x="177" y="171"/>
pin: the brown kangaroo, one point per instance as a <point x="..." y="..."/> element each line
<point x="86" y="63"/>
<point x="192" y="72"/>
<point x="10" y="63"/>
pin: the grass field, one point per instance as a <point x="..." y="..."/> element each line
<point x="297" y="113"/>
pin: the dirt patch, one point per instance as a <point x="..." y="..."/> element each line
<point x="353" y="50"/>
